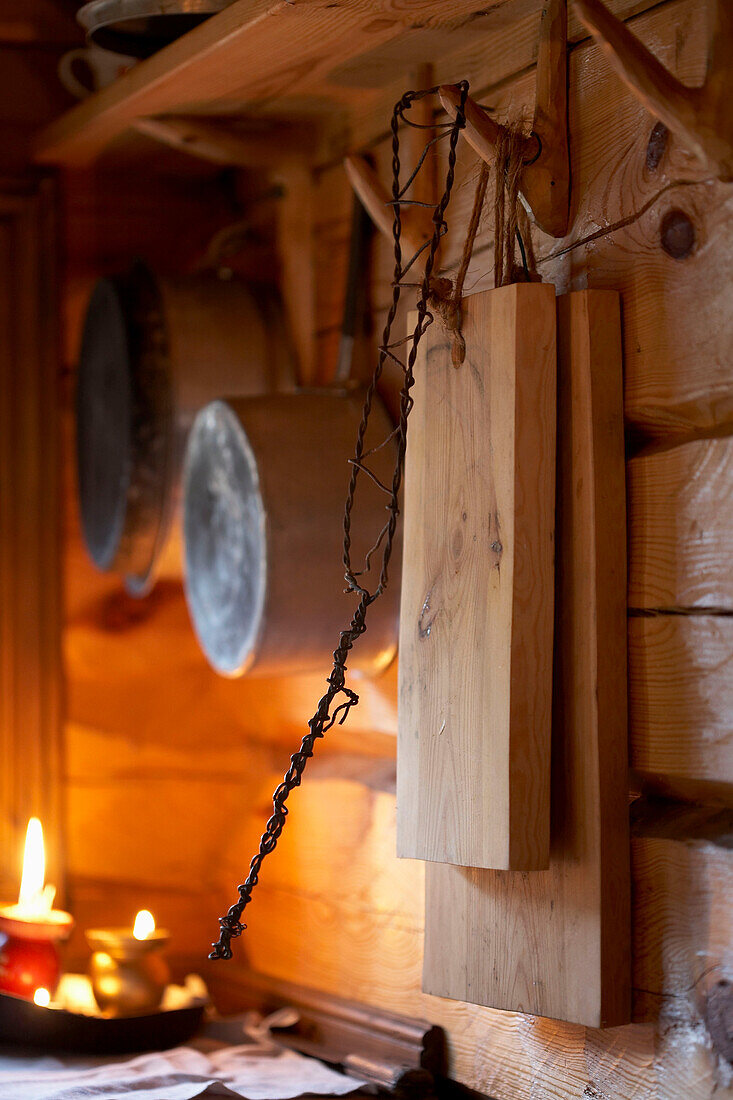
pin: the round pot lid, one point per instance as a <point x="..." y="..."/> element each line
<point x="124" y="426"/>
<point x="225" y="539"/>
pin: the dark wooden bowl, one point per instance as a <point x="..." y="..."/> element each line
<point x="25" y="1023"/>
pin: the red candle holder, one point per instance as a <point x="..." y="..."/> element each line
<point x="29" y="955"/>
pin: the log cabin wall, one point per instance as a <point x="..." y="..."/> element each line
<point x="32" y="38"/>
<point x="169" y="770"/>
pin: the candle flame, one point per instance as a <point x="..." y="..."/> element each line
<point x="42" y="997"/>
<point x="144" y="925"/>
<point x="35" y="898"/>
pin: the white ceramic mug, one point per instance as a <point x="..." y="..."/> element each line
<point x="89" y="68"/>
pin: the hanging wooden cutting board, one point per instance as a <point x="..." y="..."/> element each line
<point x="476" y="622"/>
<point x="557" y="943"/>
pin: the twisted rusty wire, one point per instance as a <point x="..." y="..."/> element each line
<point x="325" y="717"/>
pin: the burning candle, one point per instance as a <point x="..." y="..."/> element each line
<point x="30" y="930"/>
<point x="144" y="925"/>
<point x="127" y="970"/>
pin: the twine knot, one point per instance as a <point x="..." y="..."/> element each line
<point x="509" y="163"/>
<point x="446" y="301"/>
<point x="446" y="297"/>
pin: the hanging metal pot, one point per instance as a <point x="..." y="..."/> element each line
<point x="154" y="351"/>
<point x="139" y="28"/>
<point x="264" y="486"/>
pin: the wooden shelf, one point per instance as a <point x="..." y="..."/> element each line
<point x="293" y="59"/>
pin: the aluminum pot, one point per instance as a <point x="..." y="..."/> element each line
<point x="154" y="351"/>
<point x="264" y="484"/>
<point x="139" y="28"/>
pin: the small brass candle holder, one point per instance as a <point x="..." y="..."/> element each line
<point x="128" y="975"/>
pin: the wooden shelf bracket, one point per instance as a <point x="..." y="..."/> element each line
<point x="702" y="118"/>
<point x="279" y="146"/>
<point x="545" y="181"/>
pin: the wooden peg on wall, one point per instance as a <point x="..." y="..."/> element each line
<point x="702" y="118"/>
<point x="422" y="116"/>
<point x="295" y="246"/>
<point x="545" y="179"/>
<point x="417" y="221"/>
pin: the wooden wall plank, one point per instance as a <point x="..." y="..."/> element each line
<point x="681" y="527"/>
<point x="672" y="960"/>
<point x="30" y="559"/>
<point x="38" y="22"/>
<point x="128" y="637"/>
<point x="670" y="306"/>
<point x="681" y="701"/>
<point x="473" y="754"/>
<point x="111" y="901"/>
<point x="31" y="93"/>
<point x="10" y="833"/>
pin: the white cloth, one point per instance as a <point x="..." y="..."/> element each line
<point x="249" y="1070"/>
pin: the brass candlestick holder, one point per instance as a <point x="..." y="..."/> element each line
<point x="128" y="974"/>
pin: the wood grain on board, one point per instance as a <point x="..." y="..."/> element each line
<point x="556" y="943"/>
<point x="476" y="619"/>
<point x="30" y="553"/>
<point x="681" y="527"/>
<point x="681" y="702"/>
